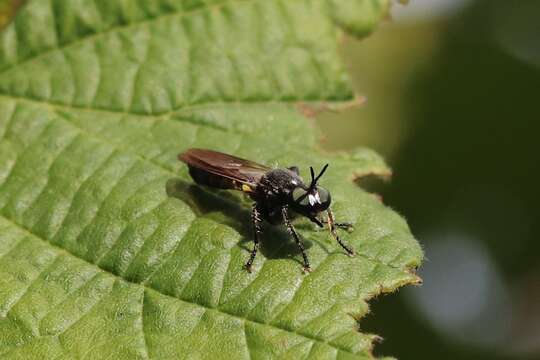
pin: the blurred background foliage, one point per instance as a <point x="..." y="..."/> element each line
<point x="453" y="95"/>
<point x="453" y="89"/>
<point x="7" y="10"/>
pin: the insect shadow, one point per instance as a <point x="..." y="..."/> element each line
<point x="234" y="210"/>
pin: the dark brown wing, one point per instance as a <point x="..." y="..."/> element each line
<point x="231" y="167"/>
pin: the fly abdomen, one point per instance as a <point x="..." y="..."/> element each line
<point x="205" y="178"/>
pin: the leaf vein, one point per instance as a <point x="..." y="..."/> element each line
<point x="126" y="223"/>
<point x="143" y="333"/>
<point x="83" y="184"/>
<point x="141" y="247"/>
<point x="66" y="298"/>
<point x="9" y="121"/>
<point x="48" y="171"/>
<point x="33" y="282"/>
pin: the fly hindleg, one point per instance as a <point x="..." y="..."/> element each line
<point x="256" y="220"/>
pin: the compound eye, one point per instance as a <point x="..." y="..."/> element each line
<point x="317" y="201"/>
<point x="325" y="198"/>
<point x="299" y="196"/>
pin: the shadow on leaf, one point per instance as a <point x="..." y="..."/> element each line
<point x="233" y="210"/>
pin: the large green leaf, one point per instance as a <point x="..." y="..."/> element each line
<point x="108" y="250"/>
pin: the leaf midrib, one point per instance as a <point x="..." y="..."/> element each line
<point x="202" y="105"/>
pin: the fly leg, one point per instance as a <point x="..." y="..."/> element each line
<point x="317" y="221"/>
<point x="332" y="225"/>
<point x="344" y="225"/>
<point x="256" y="220"/>
<point x="294" y="234"/>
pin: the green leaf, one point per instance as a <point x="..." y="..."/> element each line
<point x="108" y="250"/>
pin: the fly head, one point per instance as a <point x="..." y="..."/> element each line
<point x="311" y="200"/>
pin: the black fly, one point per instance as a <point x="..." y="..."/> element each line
<point x="276" y="193"/>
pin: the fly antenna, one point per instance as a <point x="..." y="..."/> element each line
<point x="312" y="177"/>
<point x="315" y="179"/>
<point x="321" y="173"/>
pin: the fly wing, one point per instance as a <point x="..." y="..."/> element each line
<point x="217" y="163"/>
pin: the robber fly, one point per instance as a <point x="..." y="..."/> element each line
<point x="276" y="192"/>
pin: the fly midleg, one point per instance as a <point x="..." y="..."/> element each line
<point x="294" y="234"/>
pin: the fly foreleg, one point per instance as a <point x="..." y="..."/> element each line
<point x="344" y="225"/>
<point x="320" y="223"/>
<point x="332" y="225"/>
<point x="317" y="221"/>
<point x="256" y="220"/>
